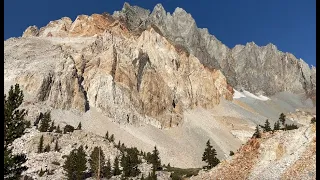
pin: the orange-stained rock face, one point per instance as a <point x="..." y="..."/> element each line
<point x="131" y="77"/>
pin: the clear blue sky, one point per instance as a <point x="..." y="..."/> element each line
<point x="289" y="24"/>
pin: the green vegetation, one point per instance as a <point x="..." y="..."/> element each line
<point x="106" y="170"/>
<point x="178" y="173"/>
<point x="58" y="130"/>
<point x="266" y="127"/>
<point x="111" y="138"/>
<point x="68" y="128"/>
<point x="290" y="126"/>
<point x="276" y="126"/>
<point x="209" y="156"/>
<point x="52" y="127"/>
<point x="282" y="119"/>
<point x="130" y="162"/>
<point x="47" y="148"/>
<point x="97" y="162"/>
<point x="116" y="169"/>
<point x="257" y="133"/>
<point x="75" y="165"/>
<point x="14" y="127"/>
<point x="40" y="147"/>
<point x="231" y="153"/>
<point x="79" y="126"/>
<point x="56" y="163"/>
<point x="45" y="121"/>
<point x="41" y="173"/>
<point x="56" y="147"/>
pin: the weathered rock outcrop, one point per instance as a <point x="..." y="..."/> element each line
<point x="282" y="155"/>
<point x="257" y="69"/>
<point x="52" y="162"/>
<point x="132" y="79"/>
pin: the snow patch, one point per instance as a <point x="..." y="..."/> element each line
<point x="238" y="95"/>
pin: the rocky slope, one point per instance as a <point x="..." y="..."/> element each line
<point x="52" y="161"/>
<point x="282" y="155"/>
<point x="159" y="80"/>
<point x="133" y="79"/>
<point x="257" y="69"/>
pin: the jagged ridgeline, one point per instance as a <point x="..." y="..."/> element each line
<point x="154" y="78"/>
<point x="142" y="66"/>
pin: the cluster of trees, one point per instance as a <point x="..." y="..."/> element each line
<point x="129" y="159"/>
<point x="209" y="156"/>
<point x="47" y="147"/>
<point x="45" y="120"/>
<point x="14" y="127"/>
<point x="279" y="125"/>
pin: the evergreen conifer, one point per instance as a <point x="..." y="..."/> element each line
<point x="116" y="169"/>
<point x="97" y="162"/>
<point x="79" y="126"/>
<point x="107" y="170"/>
<point x="75" y="165"/>
<point x="47" y="148"/>
<point x="257" y="133"/>
<point x="45" y="121"/>
<point x="14" y="127"/>
<point x="40" y="147"/>
<point x="267" y="127"/>
<point x="282" y="119"/>
<point x="56" y="147"/>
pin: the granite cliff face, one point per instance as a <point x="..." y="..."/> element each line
<point x="257" y="69"/>
<point x="96" y="61"/>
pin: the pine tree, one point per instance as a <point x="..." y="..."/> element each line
<point x="107" y="136"/>
<point x="209" y="156"/>
<point x="56" y="147"/>
<point x="276" y="126"/>
<point x="14" y="121"/>
<point x="47" y="148"/>
<point x="112" y="138"/>
<point x="155" y="159"/>
<point x="123" y="147"/>
<point x="40" y="147"/>
<point x="267" y="127"/>
<point x="107" y="170"/>
<point x="130" y="162"/>
<point x="13" y="164"/>
<point x="14" y="127"/>
<point x="290" y="126"/>
<point x="119" y="144"/>
<point x="79" y="126"/>
<point x="231" y="153"/>
<point x="44" y="124"/>
<point x="257" y="133"/>
<point x="153" y="175"/>
<point x="52" y="127"/>
<point x="41" y="173"/>
<point x="58" y="129"/>
<point x="97" y="161"/>
<point x="68" y="128"/>
<point x="116" y="169"/>
<point x="282" y="119"/>
<point x="75" y="165"/>
<point x="207" y="153"/>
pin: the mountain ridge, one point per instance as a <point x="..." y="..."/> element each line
<point x="267" y="64"/>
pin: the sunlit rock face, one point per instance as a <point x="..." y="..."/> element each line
<point x="96" y="61"/>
